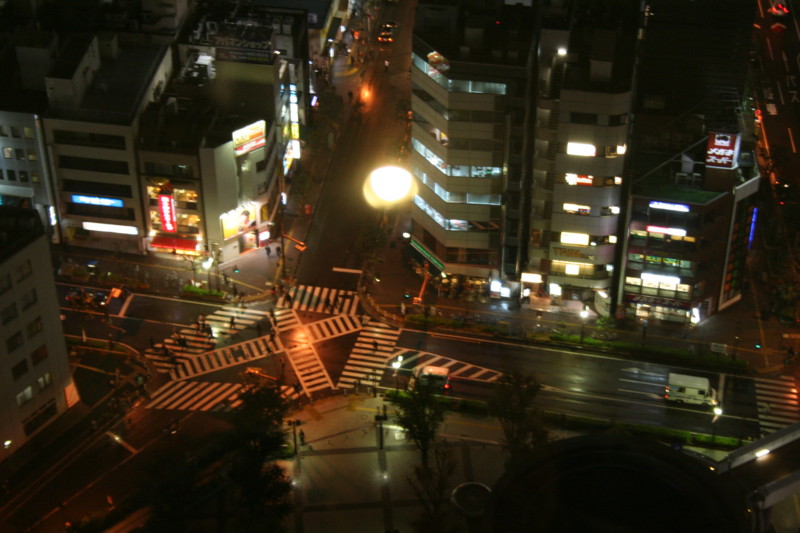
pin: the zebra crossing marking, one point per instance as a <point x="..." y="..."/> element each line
<point x="413" y="360"/>
<point x="335" y="326"/>
<point x="373" y="348"/>
<point x="227" y="356"/>
<point x="777" y="401"/>
<point x="204" y="396"/>
<point x="320" y="300"/>
<point x="308" y="367"/>
<point x="286" y="319"/>
<point x="197" y="342"/>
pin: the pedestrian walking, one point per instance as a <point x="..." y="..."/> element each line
<point x="278" y="251"/>
<point x="302" y="436"/>
<point x="272" y="336"/>
<point x="269" y="252"/>
<point x="232" y="322"/>
<point x="374" y="346"/>
<point x="287" y="300"/>
<point x="272" y="315"/>
<point x="328" y="304"/>
<point x="349" y="96"/>
<point x="386" y="65"/>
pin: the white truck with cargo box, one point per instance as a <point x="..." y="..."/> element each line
<point x="682" y="388"/>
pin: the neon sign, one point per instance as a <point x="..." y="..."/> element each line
<point x="166" y="207"/>
<point x="96" y="200"/>
<point x="249" y="138"/>
<point x="669" y="207"/>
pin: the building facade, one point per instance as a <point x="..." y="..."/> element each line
<point x="36" y="383"/>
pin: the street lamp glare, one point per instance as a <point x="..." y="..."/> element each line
<point x="584" y="313"/>
<point x="390" y="184"/>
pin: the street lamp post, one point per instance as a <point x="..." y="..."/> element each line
<point x="584" y="314"/>
<point x="396" y="365"/>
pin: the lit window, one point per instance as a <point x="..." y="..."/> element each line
<point x="577" y="209"/>
<point x="25" y="396"/>
<point x="617" y="180"/>
<point x="612" y="239"/>
<point x="579" y="179"/>
<point x="614" y="209"/>
<point x="44" y="381"/>
<point x="632" y="281"/>
<point x="582" y="149"/>
<point x="574" y="238"/>
<point x="572" y="269"/>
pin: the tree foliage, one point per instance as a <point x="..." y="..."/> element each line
<point x="430" y="485"/>
<point x="512" y="404"/>
<point x="420" y="415"/>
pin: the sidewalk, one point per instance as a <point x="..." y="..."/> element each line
<point x="760" y="342"/>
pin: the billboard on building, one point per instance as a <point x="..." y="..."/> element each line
<point x="166" y="208"/>
<point x="722" y="150"/>
<point x="249" y="138"/>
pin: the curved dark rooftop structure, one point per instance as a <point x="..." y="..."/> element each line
<point x="614" y="484"/>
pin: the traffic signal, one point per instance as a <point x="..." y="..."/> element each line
<point x="236" y="269"/>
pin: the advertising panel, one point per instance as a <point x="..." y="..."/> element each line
<point x="249" y="138"/>
<point x="166" y="208"/>
<point x="722" y="150"/>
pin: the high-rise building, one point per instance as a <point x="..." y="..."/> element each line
<point x="36" y="383"/>
<point x="693" y="174"/>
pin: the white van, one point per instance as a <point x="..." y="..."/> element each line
<point x="682" y="388"/>
<point x="438" y="376"/>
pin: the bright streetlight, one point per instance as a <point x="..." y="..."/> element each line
<point x="396" y="364"/>
<point x="584" y="314"/>
<point x="388" y="185"/>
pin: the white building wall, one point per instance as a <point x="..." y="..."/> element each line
<point x="46" y="308"/>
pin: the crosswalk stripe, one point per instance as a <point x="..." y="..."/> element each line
<point x="321" y="300"/>
<point x="777" y="403"/>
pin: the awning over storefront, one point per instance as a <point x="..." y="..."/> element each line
<point x="174" y="243"/>
<point x="420" y="254"/>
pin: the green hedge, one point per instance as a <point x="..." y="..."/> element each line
<point x="191" y="290"/>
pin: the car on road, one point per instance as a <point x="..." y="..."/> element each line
<point x="386" y="36"/>
<point x="778" y="9"/>
<point x="389" y="25"/>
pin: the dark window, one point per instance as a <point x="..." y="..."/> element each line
<point x="34" y="326"/>
<point x="19" y="370"/>
<point x="37" y="420"/>
<point x="23" y="176"/>
<point x="12" y="175"/>
<point x="102" y="211"/>
<point x="14" y="341"/>
<point x="97" y="189"/>
<point x="39" y="354"/>
<point x="261" y="166"/>
<point x="93" y="165"/>
<point x="9" y="313"/>
<point x="24" y="270"/>
<point x="583" y="118"/>
<point x="28" y="299"/>
<point x="82" y="138"/>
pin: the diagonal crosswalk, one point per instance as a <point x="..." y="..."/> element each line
<point x="374" y="347"/>
<point x="203" y="396"/>
<point x="320" y="300"/>
<point x="211" y="361"/>
<point x="308" y="367"/>
<point x="413" y="360"/>
<point x="777" y="403"/>
<point x="285" y="319"/>
<point x="189" y="341"/>
<point x="332" y="327"/>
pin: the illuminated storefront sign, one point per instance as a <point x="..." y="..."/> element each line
<point x="669" y="207"/>
<point x="658" y="278"/>
<point x="667" y="231"/>
<point x="166" y="208"/>
<point x="574" y="238"/>
<point x="582" y="149"/>
<point x="529" y="277"/>
<point x="96" y="200"/>
<point x="722" y="150"/>
<point x="293" y="145"/>
<point x="438" y="63"/>
<point x="579" y="179"/>
<point x="249" y="138"/>
<point x="110" y="228"/>
<point x="237" y="220"/>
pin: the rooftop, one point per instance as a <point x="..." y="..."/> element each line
<point x="118" y="86"/>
